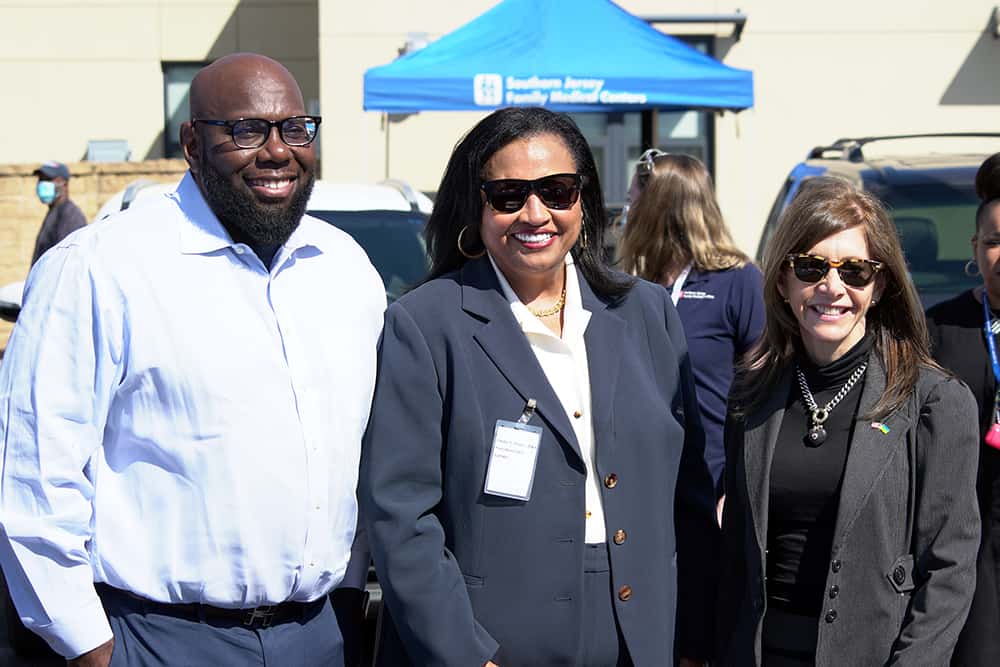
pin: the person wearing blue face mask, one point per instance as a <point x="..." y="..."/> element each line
<point x="64" y="216"/>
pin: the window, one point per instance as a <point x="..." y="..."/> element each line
<point x="689" y="132"/>
<point x="176" y="103"/>
<point x="618" y="139"/>
<point x="934" y="212"/>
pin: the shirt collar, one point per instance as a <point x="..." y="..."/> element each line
<point x="696" y="276"/>
<point x="202" y="233"/>
<point x="575" y="316"/>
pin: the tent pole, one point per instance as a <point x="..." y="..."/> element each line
<point x="385" y="123"/>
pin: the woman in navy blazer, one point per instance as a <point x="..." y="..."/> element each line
<point x="519" y="322"/>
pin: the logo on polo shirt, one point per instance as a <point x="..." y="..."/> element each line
<point x="695" y="294"/>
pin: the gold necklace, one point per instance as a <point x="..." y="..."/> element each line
<point x="553" y="309"/>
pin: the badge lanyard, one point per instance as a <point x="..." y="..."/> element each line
<point x="993" y="435"/>
<point x="678" y="288"/>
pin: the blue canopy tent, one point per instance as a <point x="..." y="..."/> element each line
<point x="565" y="55"/>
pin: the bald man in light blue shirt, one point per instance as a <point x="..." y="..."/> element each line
<point x="182" y="403"/>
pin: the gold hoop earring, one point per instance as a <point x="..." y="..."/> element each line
<point x="462" y="250"/>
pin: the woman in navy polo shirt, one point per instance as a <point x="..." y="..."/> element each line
<point x="676" y="236"/>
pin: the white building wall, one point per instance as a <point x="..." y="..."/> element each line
<point x="74" y="70"/>
<point x="821" y="71"/>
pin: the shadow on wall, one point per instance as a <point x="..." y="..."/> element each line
<point x="976" y="80"/>
<point x="176" y="109"/>
<point x="241" y="32"/>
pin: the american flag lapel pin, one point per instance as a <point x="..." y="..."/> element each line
<point x="880" y="426"/>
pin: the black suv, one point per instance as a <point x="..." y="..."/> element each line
<point x="931" y="198"/>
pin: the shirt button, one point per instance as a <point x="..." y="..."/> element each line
<point x="834" y="591"/>
<point x="619" y="537"/>
<point x="317" y="507"/>
<point x="611" y="481"/>
<point x="835" y="565"/>
<point x="625" y="593"/>
<point x="588" y="515"/>
<point x="831" y="616"/>
<point x="577" y="414"/>
<point x="239" y="250"/>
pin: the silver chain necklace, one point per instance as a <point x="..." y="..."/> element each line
<point x="818" y="415"/>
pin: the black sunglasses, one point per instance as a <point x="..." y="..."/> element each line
<point x="853" y="271"/>
<point x="557" y="191"/>
<point x="647" y="163"/>
<point x="253" y="132"/>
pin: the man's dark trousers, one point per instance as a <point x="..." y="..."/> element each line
<point x="147" y="637"/>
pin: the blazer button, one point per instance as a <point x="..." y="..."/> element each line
<point x="625" y="593"/>
<point x="831" y="616"/>
<point x="836" y="565"/>
<point x="899" y="575"/>
<point x="834" y="591"/>
<point x="619" y="537"/>
<point x="611" y="481"/>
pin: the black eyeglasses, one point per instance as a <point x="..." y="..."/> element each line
<point x="557" y="191"/>
<point x="853" y="271"/>
<point x="253" y="132"/>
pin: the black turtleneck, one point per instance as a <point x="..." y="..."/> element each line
<point x="805" y="485"/>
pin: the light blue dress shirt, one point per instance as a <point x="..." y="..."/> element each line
<point x="180" y="422"/>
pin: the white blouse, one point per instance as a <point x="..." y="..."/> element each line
<point x="564" y="362"/>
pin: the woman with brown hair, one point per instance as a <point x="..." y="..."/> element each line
<point x="676" y="236"/>
<point x="851" y="527"/>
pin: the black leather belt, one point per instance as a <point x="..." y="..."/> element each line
<point x="257" y="617"/>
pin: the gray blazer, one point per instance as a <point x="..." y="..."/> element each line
<point x="902" y="566"/>
<point x="466" y="574"/>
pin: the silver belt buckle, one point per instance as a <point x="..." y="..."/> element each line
<point x="263" y="614"/>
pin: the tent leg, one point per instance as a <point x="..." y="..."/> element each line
<point x="386" y="124"/>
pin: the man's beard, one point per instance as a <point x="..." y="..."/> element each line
<point x="246" y="219"/>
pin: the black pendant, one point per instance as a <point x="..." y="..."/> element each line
<point x="816" y="436"/>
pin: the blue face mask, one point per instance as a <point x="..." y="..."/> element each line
<point x="46" y="191"/>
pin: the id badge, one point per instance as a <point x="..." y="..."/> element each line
<point x="513" y="456"/>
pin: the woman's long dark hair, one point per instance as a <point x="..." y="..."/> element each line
<point x="825" y="206"/>
<point x="459" y="204"/>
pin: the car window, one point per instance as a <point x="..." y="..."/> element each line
<point x="935" y="219"/>
<point x="772" y="218"/>
<point x="798" y="175"/>
<point x="393" y="240"/>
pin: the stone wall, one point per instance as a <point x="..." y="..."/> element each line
<point x="91" y="185"/>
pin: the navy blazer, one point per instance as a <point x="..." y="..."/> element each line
<point x="466" y="574"/>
